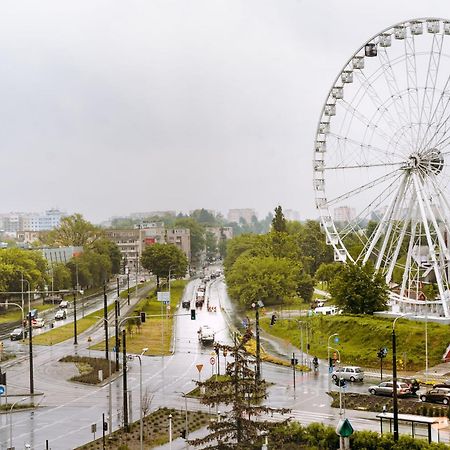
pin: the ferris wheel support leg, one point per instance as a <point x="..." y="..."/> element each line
<point x="437" y="269"/>
<point x="400" y="241"/>
<point x="406" y="272"/>
<point x="382" y="224"/>
<point x="398" y="201"/>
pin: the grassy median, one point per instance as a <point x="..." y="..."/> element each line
<point x="156" y="333"/>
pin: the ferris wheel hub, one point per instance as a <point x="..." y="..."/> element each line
<point x="428" y="162"/>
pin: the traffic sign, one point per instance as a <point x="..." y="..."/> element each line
<point x="166" y="302"/>
<point x="336" y="339"/>
<point x="199" y="367"/>
<point x="344" y="428"/>
<point x="2" y="389"/>
<point x="212" y="360"/>
<point x="163" y="296"/>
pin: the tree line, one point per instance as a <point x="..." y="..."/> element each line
<point x="276" y="267"/>
<point x="99" y="260"/>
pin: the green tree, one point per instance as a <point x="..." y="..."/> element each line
<point x="106" y="247"/>
<point x="358" y="289"/>
<point x="279" y="221"/>
<point x="74" y="231"/>
<point x="262" y="278"/>
<point x="61" y="277"/>
<point x="239" y="245"/>
<point x="160" y="259"/>
<point x="211" y="245"/>
<point x="204" y="217"/>
<point x="197" y="235"/>
<point x="327" y="271"/>
<point x="241" y="427"/>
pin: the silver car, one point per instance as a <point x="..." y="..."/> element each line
<point x="387" y="388"/>
<point x="350" y="373"/>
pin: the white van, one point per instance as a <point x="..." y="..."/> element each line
<point x="327" y="310"/>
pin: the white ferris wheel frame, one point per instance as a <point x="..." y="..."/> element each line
<point x="411" y="179"/>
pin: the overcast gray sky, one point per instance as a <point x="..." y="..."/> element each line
<point x="110" y="107"/>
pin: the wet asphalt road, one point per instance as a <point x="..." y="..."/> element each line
<point x="68" y="410"/>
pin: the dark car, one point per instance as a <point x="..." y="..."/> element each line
<point x="440" y="395"/>
<point x="387" y="388"/>
<point x="444" y="385"/>
<point x="17" y="334"/>
<point x="413" y="383"/>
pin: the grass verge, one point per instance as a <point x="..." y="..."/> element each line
<point x="89" y="368"/>
<point x="360" y="338"/>
<point x="64" y="332"/>
<point x="156" y="333"/>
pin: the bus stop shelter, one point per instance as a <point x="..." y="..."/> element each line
<point x="413" y="419"/>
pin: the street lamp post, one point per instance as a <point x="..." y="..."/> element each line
<point x="11" y="421"/>
<point x="186" y="425"/>
<point x="170" y="431"/>
<point x="394" y="377"/>
<point x="141" y="424"/>
<point x="328" y="359"/>
<point x="75" y="337"/>
<point x="257" y="305"/>
<point x="106" y="321"/>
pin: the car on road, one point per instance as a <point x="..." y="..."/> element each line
<point x="206" y="335"/>
<point x="387" y="388"/>
<point x="350" y="373"/>
<point x="17" y="334"/>
<point x="64" y="304"/>
<point x="61" y="314"/>
<point x="438" y="395"/>
<point x="38" y="323"/>
<point x="413" y="383"/>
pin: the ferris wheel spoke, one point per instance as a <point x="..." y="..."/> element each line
<point x="385" y="112"/>
<point x="393" y="87"/>
<point x="373" y="205"/>
<point x="364" y="166"/>
<point x="369" y="147"/>
<point x="365" y="121"/>
<point x="430" y="83"/>
<point x="363" y="188"/>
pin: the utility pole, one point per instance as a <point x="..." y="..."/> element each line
<point x="128" y="286"/>
<point x="125" y="387"/>
<point x="116" y="316"/>
<point x="75" y="338"/>
<point x="105" y="315"/>
<point x="258" y="345"/>
<point x="30" y="330"/>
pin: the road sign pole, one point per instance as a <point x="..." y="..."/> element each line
<point x="293" y="367"/>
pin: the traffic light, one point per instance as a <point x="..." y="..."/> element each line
<point x="294" y="361"/>
<point x="382" y="353"/>
<point x="142" y="315"/>
<point x="216" y="349"/>
<point x="273" y="319"/>
<point x="340" y="382"/>
<point x="105" y="426"/>
<point x="183" y="434"/>
<point x="331" y="362"/>
<point x="192" y="314"/>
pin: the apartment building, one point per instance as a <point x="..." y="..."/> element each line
<point x="235" y="215"/>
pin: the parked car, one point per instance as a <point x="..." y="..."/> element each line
<point x="61" y="314"/>
<point x="17" y="334"/>
<point x="445" y="385"/>
<point x="439" y="395"/>
<point x="38" y="323"/>
<point x="387" y="388"/>
<point x="351" y="373"/>
<point x="64" y="304"/>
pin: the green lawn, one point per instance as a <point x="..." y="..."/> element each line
<point x="14" y="313"/>
<point x="360" y="337"/>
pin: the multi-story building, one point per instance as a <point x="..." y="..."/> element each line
<point x="20" y="221"/>
<point x="221" y="233"/>
<point x="235" y="215"/>
<point x="132" y="241"/>
<point x="290" y="214"/>
<point x="344" y="214"/>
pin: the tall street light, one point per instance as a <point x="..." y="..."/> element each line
<point x="11" y="421"/>
<point x="394" y="376"/>
<point x="328" y="358"/>
<point x="106" y="321"/>
<point x="141" y="424"/>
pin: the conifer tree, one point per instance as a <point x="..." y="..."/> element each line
<point x="239" y="428"/>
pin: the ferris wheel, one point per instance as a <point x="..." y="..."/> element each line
<point x="381" y="163"/>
